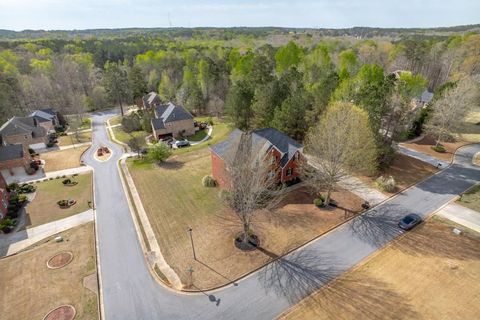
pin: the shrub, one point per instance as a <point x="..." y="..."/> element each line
<point x="22" y="198"/>
<point x="62" y="203"/>
<point x="59" y="129"/>
<point x="159" y="152"/>
<point x="386" y="183"/>
<point x="31" y="151"/>
<point x="13" y="187"/>
<point x="439" y="148"/>
<point x="27" y="188"/>
<point x="208" y="181"/>
<point x="67" y="181"/>
<point x="75" y="174"/>
<point x="318" y="202"/>
<point x="210" y="121"/>
<point x="50" y="144"/>
<point x="7" y="223"/>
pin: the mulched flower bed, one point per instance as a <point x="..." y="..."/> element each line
<point x="252" y="244"/>
<point x="65" y="312"/>
<point x="60" y="260"/>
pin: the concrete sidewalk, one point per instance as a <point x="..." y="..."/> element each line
<point x="462" y="215"/>
<point x="423" y="157"/>
<point x="155" y="255"/>
<point x="15" y="242"/>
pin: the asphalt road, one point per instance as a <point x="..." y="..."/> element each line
<point x="130" y="292"/>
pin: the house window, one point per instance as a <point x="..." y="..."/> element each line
<point x="274" y="159"/>
<point x="289" y="172"/>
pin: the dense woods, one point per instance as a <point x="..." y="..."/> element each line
<point x="284" y="78"/>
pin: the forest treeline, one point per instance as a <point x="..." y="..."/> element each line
<point x="283" y="81"/>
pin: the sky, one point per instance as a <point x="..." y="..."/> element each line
<point x="90" y="14"/>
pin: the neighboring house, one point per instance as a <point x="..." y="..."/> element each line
<point x="151" y="100"/>
<point x="172" y="121"/>
<point x="3" y="197"/>
<point x="285" y="154"/>
<point x="24" y="130"/>
<point x="46" y="118"/>
<point x="14" y="156"/>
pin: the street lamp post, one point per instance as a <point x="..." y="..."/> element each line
<point x="191" y="241"/>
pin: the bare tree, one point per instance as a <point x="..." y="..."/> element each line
<point x="450" y="110"/>
<point x="253" y="180"/>
<point x="342" y="143"/>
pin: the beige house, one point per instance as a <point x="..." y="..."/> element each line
<point x="172" y="121"/>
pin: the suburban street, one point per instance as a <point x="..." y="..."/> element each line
<point x="130" y="292"/>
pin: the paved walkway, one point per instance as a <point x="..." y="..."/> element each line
<point x="364" y="191"/>
<point x="462" y="215"/>
<point x="66" y="172"/>
<point x="15" y="242"/>
<point x="79" y="131"/>
<point x="423" y="157"/>
<point x="155" y="255"/>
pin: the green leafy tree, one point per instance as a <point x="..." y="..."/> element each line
<point x="288" y="56"/>
<point x="137" y="83"/>
<point x="290" y="117"/>
<point x="115" y="81"/>
<point x="239" y="104"/>
<point x="342" y="143"/>
<point x="166" y="88"/>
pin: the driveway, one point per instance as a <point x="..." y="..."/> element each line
<point x="130" y="292"/>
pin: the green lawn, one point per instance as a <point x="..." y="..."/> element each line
<point x="221" y="130"/>
<point x="44" y="206"/>
<point x="199" y="135"/>
<point x="115" y="120"/>
<point x="471" y="199"/>
<point x="125" y="137"/>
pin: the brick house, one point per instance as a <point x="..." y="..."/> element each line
<point x="23" y="130"/>
<point x="14" y="156"/>
<point x="151" y="100"/>
<point x="46" y="118"/>
<point x="172" y="121"/>
<point x="285" y="154"/>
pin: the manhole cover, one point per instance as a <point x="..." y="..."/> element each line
<point x="60" y="260"/>
<point x="66" y="312"/>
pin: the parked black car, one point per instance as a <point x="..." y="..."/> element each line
<point x="409" y="221"/>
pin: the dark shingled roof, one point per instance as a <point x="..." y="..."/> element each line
<point x="170" y="112"/>
<point x="22" y="125"/>
<point x="268" y="137"/>
<point x="158" y="124"/>
<point x="11" y="152"/>
<point x="42" y="116"/>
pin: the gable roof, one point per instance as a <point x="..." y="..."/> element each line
<point x="22" y="125"/>
<point x="262" y="139"/>
<point x="49" y="111"/>
<point x="42" y="116"/>
<point x="171" y="112"/>
<point x="11" y="152"/>
<point x="158" y="124"/>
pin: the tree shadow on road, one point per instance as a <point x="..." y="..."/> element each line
<point x="304" y="272"/>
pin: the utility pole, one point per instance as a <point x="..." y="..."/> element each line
<point x="189" y="230"/>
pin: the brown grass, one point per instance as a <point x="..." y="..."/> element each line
<point x="65" y="159"/>
<point x="175" y="199"/>
<point x="44" y="206"/>
<point x="405" y="170"/>
<point x="73" y="139"/>
<point x="425" y="146"/>
<point x="30" y="289"/>
<point x="428" y="274"/>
